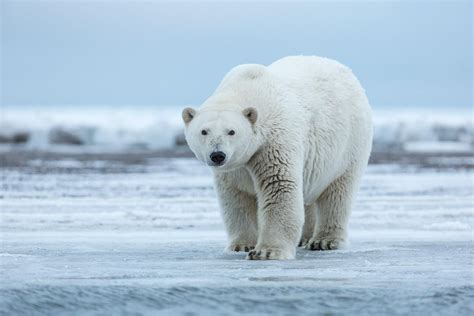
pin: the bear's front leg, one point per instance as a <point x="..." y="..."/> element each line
<point x="280" y="200"/>
<point x="239" y="211"/>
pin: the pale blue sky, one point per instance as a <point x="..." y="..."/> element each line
<point x="405" y="53"/>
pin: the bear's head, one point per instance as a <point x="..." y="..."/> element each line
<point x="223" y="139"/>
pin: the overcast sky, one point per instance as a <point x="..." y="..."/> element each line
<point x="135" y="52"/>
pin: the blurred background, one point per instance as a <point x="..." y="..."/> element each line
<point x="113" y="76"/>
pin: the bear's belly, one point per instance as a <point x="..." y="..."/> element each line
<point x="315" y="180"/>
<point x="313" y="183"/>
<point x="318" y="174"/>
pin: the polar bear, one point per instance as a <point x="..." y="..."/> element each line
<point x="288" y="144"/>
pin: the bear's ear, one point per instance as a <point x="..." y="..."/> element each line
<point x="188" y="114"/>
<point x="250" y="114"/>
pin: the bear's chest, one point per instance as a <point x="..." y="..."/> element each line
<point x="244" y="181"/>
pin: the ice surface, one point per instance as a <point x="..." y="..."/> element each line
<point x="121" y="128"/>
<point x="149" y="240"/>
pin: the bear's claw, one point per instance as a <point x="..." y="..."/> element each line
<point x="257" y="255"/>
<point x="325" y="244"/>
<point x="269" y="254"/>
<point x="303" y="242"/>
<point x="238" y="248"/>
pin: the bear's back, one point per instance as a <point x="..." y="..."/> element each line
<point x="317" y="80"/>
<point x="303" y="66"/>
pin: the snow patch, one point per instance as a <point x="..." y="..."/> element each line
<point x="449" y="225"/>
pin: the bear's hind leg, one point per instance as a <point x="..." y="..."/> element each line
<point x="334" y="207"/>
<point x="309" y="223"/>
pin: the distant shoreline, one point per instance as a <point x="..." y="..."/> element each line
<point x="19" y="157"/>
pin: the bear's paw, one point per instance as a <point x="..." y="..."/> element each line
<point x="246" y="247"/>
<point x="270" y="253"/>
<point x="325" y="243"/>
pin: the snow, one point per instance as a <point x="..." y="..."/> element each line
<point x="148" y="239"/>
<point x="110" y="127"/>
<point x="435" y="146"/>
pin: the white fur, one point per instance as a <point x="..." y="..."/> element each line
<point x="291" y="176"/>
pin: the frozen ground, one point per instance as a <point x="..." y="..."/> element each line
<point x="103" y="237"/>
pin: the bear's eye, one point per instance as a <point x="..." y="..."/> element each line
<point x="203" y="132"/>
<point x="231" y="132"/>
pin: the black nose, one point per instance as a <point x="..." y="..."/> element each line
<point x="218" y="157"/>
